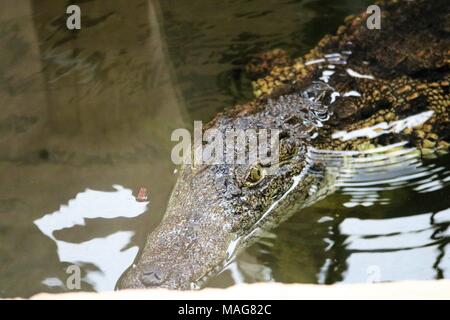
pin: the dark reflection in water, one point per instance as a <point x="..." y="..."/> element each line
<point x="86" y="120"/>
<point x="210" y="41"/>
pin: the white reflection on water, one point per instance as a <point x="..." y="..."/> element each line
<point x="105" y="253"/>
<point x="402" y="248"/>
<point x="409" y="247"/>
<point x="366" y="176"/>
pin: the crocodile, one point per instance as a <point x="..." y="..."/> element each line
<point x="357" y="79"/>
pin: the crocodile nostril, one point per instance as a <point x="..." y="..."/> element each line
<point x="152" y="276"/>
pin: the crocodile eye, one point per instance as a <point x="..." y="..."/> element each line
<point x="254" y="176"/>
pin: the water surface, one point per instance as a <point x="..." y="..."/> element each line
<point x="86" y="121"/>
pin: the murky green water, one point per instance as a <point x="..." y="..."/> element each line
<point x="86" y="121"/>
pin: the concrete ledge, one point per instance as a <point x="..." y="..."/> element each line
<point x="439" y="289"/>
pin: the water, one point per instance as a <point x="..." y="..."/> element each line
<point x="86" y="122"/>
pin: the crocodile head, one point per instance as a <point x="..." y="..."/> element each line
<point x="215" y="210"/>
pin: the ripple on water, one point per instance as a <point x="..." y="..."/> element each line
<point x="106" y="254"/>
<point x="377" y="247"/>
<point x="367" y="177"/>
<point x="412" y="247"/>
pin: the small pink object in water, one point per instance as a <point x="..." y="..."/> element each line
<point x="142" y="194"/>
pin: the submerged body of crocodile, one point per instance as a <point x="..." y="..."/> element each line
<point x="369" y="80"/>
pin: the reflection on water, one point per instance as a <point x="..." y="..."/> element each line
<point x="398" y="247"/>
<point x="366" y="175"/>
<point x="83" y="111"/>
<point x="107" y="254"/>
<point x="386" y="217"/>
<point x="210" y="41"/>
